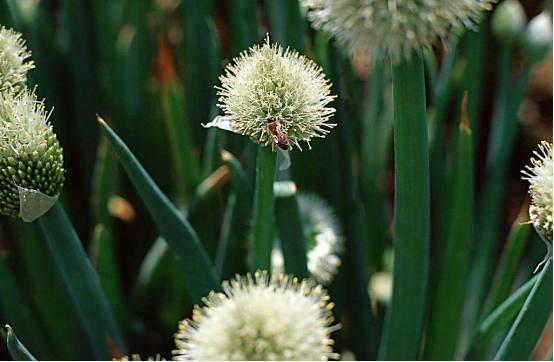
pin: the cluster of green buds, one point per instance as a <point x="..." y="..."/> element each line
<point x="509" y="25"/>
<point x="31" y="160"/>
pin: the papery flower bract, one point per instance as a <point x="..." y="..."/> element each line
<point x="324" y="239"/>
<point x="268" y="86"/>
<point x="14" y="62"/>
<point x="259" y="318"/>
<point x="540" y="177"/>
<point x="392" y="28"/>
<point x="31" y="160"/>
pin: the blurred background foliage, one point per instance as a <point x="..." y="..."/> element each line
<point x="149" y="67"/>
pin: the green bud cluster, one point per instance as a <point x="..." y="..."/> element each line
<point x="30" y="155"/>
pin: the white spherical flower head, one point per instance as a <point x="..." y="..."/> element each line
<point x="260" y="318"/>
<point x="14" y="62"/>
<point x="276" y="97"/>
<point x="392" y="28"/>
<point x="540" y="177"/>
<point x="324" y="240"/>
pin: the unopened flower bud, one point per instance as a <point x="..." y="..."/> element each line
<point x="31" y="160"/>
<point x="537" y="38"/>
<point x="508" y="21"/>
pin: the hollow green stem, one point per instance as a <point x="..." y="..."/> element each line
<point x="509" y="262"/>
<point x="447" y="300"/>
<point x="529" y="324"/>
<point x="498" y="320"/>
<point x="263" y="217"/>
<point x="504" y="128"/>
<point x="411" y="240"/>
<point x="291" y="233"/>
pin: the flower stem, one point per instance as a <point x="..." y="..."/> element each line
<point x="411" y="240"/>
<point x="529" y="324"/>
<point x="290" y="231"/>
<point x="263" y="217"/>
<point x="446" y="301"/>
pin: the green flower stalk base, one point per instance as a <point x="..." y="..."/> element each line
<point x="263" y="219"/>
<point x="411" y="230"/>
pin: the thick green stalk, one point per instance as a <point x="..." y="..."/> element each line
<point x="375" y="144"/>
<point x="411" y="240"/>
<point x="234" y="229"/>
<point x="529" y="324"/>
<point x="509" y="262"/>
<point x="340" y="183"/>
<point x="290" y="231"/>
<point x="286" y="24"/>
<point x="497" y="321"/>
<point x="504" y="127"/>
<point x="447" y="301"/>
<point x="83" y="285"/>
<point x="263" y="217"/>
<point x="474" y="53"/>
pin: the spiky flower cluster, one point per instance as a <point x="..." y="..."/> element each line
<point x="137" y="357"/>
<point x="14" y="60"/>
<point x="260" y="318"/>
<point x="268" y="86"/>
<point x="31" y="160"/>
<point x="392" y="28"/>
<point x="324" y="240"/>
<point x="540" y="177"/>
